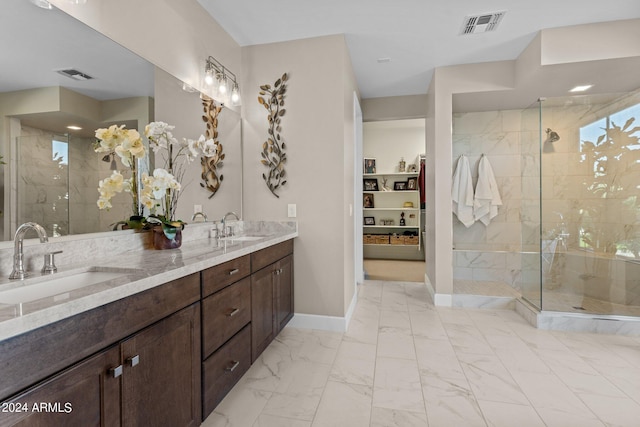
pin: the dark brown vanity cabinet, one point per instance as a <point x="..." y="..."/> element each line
<point x="271" y="294"/>
<point x="226" y="334"/>
<point x="148" y="375"/>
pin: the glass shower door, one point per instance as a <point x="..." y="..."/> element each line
<point x="43" y="181"/>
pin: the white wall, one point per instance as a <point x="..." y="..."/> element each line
<point x="318" y="130"/>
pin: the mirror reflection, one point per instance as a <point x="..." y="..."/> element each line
<point x="61" y="82"/>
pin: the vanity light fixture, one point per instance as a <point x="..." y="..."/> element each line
<point x="219" y="79"/>
<point x="581" y="88"/>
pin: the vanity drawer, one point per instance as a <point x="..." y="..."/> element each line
<point x="224" y="368"/>
<point x="225" y="313"/>
<point x="220" y="276"/>
<point x="266" y="256"/>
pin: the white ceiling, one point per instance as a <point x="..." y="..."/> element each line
<point x="417" y="35"/>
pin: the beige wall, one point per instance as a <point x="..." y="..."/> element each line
<point x="394" y="108"/>
<point x="319" y="151"/>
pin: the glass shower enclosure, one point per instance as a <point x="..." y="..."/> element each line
<point x="581" y="204"/>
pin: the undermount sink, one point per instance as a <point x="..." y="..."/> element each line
<point x="36" y="288"/>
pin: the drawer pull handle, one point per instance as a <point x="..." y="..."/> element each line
<point x="233" y="312"/>
<point x="134" y="360"/>
<point x="116" y="372"/>
<point x="233" y="366"/>
<point x="234" y="271"/>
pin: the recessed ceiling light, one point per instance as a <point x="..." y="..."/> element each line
<point x="383" y="60"/>
<point x="581" y="88"/>
<point x="72" y="127"/>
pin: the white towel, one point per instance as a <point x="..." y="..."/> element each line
<point x="462" y="192"/>
<point x="487" y="197"/>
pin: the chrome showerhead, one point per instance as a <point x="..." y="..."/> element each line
<point x="552" y="136"/>
<point x="548" y="143"/>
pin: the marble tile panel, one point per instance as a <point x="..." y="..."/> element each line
<point x="437" y="357"/>
<point x="498" y="414"/>
<point x="274" y="421"/>
<point x="396" y="343"/>
<point x="355" y="363"/>
<point x="397" y="385"/>
<point x="315" y="346"/>
<point x="490" y="380"/>
<point x="466" y="338"/>
<point x="477" y="122"/>
<point x="240" y="408"/>
<point x="344" y="404"/>
<point x="450" y="402"/>
<point x="383" y="417"/>
<point x="613" y="411"/>
<point x="555" y="403"/>
<point x="427" y="324"/>
<point x="515" y="355"/>
<point x="395" y="319"/>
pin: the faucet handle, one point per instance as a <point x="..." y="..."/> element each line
<point x="49" y="266"/>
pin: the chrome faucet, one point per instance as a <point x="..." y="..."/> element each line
<point x="227" y="232"/>
<point x="197" y="214"/>
<point x="18" y="257"/>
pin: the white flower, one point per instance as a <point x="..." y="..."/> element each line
<point x="108" y="188"/>
<point x="160" y="134"/>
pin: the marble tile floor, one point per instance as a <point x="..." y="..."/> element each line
<point x="404" y="362"/>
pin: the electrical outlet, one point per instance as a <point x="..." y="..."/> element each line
<point x="197" y="208"/>
<point x="291" y="210"/>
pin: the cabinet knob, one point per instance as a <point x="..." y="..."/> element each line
<point x="233" y="312"/>
<point x="234" y="271"/>
<point x="133" y="360"/>
<point x="116" y="372"/>
<point x="235" y="364"/>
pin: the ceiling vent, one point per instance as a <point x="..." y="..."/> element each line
<point x="74" y="74"/>
<point x="481" y="23"/>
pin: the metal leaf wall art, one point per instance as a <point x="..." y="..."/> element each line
<point x="211" y="165"/>
<point x="273" y="149"/>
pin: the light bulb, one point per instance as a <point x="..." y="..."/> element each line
<point x="235" y="95"/>
<point x="208" y="76"/>
<point x="222" y="89"/>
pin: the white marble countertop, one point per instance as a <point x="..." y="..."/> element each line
<point x="144" y="269"/>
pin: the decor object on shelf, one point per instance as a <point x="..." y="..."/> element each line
<point x="385" y="187"/>
<point x="370" y="184"/>
<point x="412" y="168"/>
<point x="369" y="220"/>
<point x="367" y="200"/>
<point x="407" y="205"/>
<point x="369" y="165"/>
<point x="402" y="221"/>
<point x="211" y="165"/>
<point x="412" y="183"/>
<point x="223" y="84"/>
<point x="273" y="154"/>
<point x="400" y="185"/>
<point x="402" y="165"/>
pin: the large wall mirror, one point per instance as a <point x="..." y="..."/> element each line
<point x="51" y="172"/>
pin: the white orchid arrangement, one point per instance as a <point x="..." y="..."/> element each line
<point x="161" y="189"/>
<point x="128" y="146"/>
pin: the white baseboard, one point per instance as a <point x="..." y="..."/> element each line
<point x="443" y="300"/>
<point x="314" y="321"/>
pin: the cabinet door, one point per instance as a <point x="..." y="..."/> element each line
<point x="161" y="379"/>
<point x="87" y="394"/>
<point x="284" y="292"/>
<point x="262" y="308"/>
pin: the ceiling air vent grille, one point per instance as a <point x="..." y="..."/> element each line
<point x="481" y="23"/>
<point x="74" y="74"/>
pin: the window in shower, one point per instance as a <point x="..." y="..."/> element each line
<point x="610" y="148"/>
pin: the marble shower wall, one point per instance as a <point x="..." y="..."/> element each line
<point x="510" y="140"/>
<point x="60" y="196"/>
